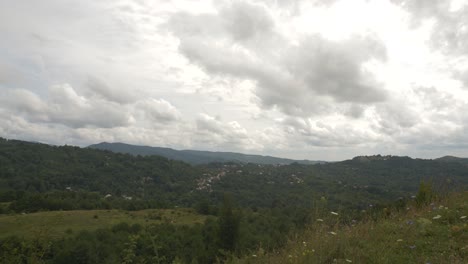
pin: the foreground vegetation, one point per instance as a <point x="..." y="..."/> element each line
<point x="433" y="232"/>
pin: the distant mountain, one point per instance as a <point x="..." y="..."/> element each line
<point x="196" y="156"/>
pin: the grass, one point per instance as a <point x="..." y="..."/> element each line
<point x="61" y="223"/>
<point x="436" y="233"/>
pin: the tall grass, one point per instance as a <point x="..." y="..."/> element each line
<point x="432" y="232"/>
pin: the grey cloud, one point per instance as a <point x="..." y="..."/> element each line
<point x="64" y="106"/>
<point x="450" y="32"/>
<point x="436" y="100"/>
<point x="213" y="132"/>
<point x="422" y="9"/>
<point x="8" y="74"/>
<point x="25" y="102"/>
<point x="69" y="108"/>
<point x="302" y="79"/>
<point x="355" y="111"/>
<point x="462" y="76"/>
<point x="114" y="94"/>
<point x="396" y="117"/>
<point x="159" y="111"/>
<point x="320" y="133"/>
<point x="186" y="25"/>
<point x="245" y="21"/>
<point x="335" y="68"/>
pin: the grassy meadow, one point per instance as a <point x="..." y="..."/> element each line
<point x="55" y="224"/>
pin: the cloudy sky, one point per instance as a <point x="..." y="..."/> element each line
<point x="322" y="80"/>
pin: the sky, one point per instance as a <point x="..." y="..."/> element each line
<point x="319" y="80"/>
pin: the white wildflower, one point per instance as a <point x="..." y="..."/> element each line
<point x="437" y="217"/>
<point x="319" y="220"/>
<point x="333" y="233"/>
<point x="463" y="217"/>
<point x="348" y="260"/>
<point x="334" y="213"/>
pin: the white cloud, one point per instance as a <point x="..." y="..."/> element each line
<point x="304" y="79"/>
<point x="159" y="111"/>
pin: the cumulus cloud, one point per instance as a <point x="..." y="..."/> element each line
<point x="106" y="92"/>
<point x="328" y="132"/>
<point x="159" y="111"/>
<point x="449" y="32"/>
<point x="213" y="132"/>
<point x="246" y="21"/>
<point x="299" y="79"/>
<point x="395" y="118"/>
<point x="64" y="106"/>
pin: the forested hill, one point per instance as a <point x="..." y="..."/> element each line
<point x="196" y="156"/>
<point x="39" y="168"/>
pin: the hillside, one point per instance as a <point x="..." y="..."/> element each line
<point x="433" y="233"/>
<point x="149" y="181"/>
<point x="196" y="156"/>
<point x="76" y="176"/>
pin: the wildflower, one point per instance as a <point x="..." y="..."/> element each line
<point x="254" y="255"/>
<point x="399" y="240"/>
<point x="437" y="217"/>
<point x="334" y="213"/>
<point x="348" y="260"/>
<point x="333" y="233"/>
<point x="455" y="228"/>
<point x="319" y="220"/>
<point x="463" y="217"/>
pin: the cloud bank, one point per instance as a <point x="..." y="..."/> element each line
<point x="300" y="79"/>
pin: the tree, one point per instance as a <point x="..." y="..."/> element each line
<point x="228" y="225"/>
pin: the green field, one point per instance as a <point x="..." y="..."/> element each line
<point x="60" y="223"/>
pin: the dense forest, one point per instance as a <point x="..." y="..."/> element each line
<point x="245" y="206"/>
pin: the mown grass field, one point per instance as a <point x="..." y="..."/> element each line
<point x="436" y="233"/>
<point x="60" y="223"/>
